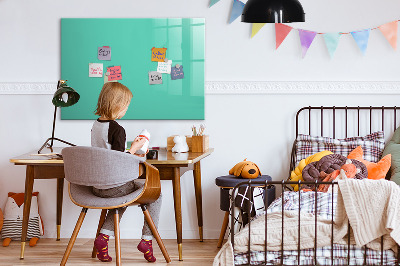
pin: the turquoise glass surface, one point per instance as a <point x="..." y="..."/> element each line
<point x="131" y="41"/>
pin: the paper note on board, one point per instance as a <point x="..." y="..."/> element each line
<point x="115" y="73"/>
<point x="177" y="72"/>
<point x="158" y="54"/>
<point x="164" y="67"/>
<point x="104" y="53"/>
<point x="95" y="70"/>
<point x="155" y="77"/>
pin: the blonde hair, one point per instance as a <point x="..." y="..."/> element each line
<point x="113" y="98"/>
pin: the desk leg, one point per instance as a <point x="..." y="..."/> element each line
<point x="176" y="182"/>
<point x="27" y="206"/>
<point x="60" y="190"/>
<point x="199" y="204"/>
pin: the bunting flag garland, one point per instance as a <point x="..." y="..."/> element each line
<point x="237" y="9"/>
<point x="389" y="30"/>
<point x="213" y="2"/>
<point x="281" y="31"/>
<point x="361" y="37"/>
<point x="306" y="39"/>
<point x="256" y="28"/>
<point x="332" y="41"/>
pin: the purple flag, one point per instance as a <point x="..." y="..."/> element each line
<point x="306" y="39"/>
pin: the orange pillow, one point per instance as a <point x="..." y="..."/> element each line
<point x="375" y="170"/>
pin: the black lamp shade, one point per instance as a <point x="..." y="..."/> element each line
<point x="60" y="101"/>
<point x="273" y="11"/>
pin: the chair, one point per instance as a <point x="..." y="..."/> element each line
<point x="85" y="167"/>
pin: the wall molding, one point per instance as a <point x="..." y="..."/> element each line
<point x="247" y="87"/>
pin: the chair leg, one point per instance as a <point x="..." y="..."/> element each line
<point x="223" y="229"/>
<point x="73" y="237"/>
<point x="101" y="222"/>
<point x="117" y="239"/>
<point x="154" y="230"/>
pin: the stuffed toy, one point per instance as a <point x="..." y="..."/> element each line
<point x="375" y="170"/>
<point x="296" y="174"/>
<point x="13" y="215"/>
<point x="180" y="144"/>
<point x="245" y="169"/>
<point x="1" y="220"/>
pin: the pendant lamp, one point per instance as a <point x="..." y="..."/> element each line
<point x="63" y="97"/>
<point x="273" y="11"/>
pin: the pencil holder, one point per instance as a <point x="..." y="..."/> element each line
<point x="200" y="143"/>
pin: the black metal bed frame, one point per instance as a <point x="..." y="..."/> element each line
<point x="283" y="184"/>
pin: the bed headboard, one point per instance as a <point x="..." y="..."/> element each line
<point x="344" y="121"/>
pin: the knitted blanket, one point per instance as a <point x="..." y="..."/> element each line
<point x="371" y="207"/>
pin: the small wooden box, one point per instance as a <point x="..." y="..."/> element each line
<point x="171" y="143"/>
<point x="200" y="143"/>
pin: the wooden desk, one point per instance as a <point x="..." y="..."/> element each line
<point x="171" y="167"/>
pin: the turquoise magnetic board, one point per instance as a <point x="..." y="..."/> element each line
<point x="131" y="41"/>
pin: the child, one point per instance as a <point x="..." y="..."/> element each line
<point x="113" y="103"/>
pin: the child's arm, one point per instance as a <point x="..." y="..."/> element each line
<point x="136" y="145"/>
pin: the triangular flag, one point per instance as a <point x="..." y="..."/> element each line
<point x="237" y="9"/>
<point x="213" y="2"/>
<point x="306" y="39"/>
<point x="256" y="28"/>
<point x="281" y="31"/>
<point x="390" y="32"/>
<point x="332" y="41"/>
<point x="361" y="37"/>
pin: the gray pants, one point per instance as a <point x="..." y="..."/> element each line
<point x="154" y="208"/>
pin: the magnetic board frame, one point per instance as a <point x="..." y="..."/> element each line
<point x="131" y="41"/>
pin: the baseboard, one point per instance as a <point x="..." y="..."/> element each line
<point x="247" y="87"/>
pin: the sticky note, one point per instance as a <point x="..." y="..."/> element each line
<point x="158" y="54"/>
<point x="95" y="70"/>
<point x="115" y="73"/>
<point x="177" y="72"/>
<point x="155" y="77"/>
<point x="104" y="53"/>
<point x="164" y="67"/>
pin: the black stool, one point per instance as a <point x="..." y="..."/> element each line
<point x="226" y="183"/>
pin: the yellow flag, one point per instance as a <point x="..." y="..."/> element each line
<point x="256" y="27"/>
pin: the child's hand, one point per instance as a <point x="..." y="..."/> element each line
<point x="137" y="144"/>
<point x="142" y="155"/>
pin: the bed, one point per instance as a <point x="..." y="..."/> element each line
<point x="298" y="227"/>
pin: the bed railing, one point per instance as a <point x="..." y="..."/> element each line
<point x="265" y="185"/>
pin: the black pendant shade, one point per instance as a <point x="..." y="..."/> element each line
<point x="273" y="11"/>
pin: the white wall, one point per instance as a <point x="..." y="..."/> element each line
<point x="259" y="127"/>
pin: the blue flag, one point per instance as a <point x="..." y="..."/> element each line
<point x="332" y="41"/>
<point x="213" y="2"/>
<point x="237" y="9"/>
<point x="361" y="37"/>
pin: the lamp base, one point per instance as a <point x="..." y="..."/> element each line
<point x="50" y="146"/>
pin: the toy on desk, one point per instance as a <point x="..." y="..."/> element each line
<point x="13" y="216"/>
<point x="144" y="134"/>
<point x="180" y="144"/>
<point x="245" y="169"/>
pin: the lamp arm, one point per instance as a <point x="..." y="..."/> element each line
<point x="54" y="126"/>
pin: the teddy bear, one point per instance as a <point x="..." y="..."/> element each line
<point x="180" y="144"/>
<point x="13" y="215"/>
<point x="245" y="169"/>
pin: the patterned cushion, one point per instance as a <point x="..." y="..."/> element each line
<point x="372" y="144"/>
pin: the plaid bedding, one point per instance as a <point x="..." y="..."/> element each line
<point x="372" y="145"/>
<point x="322" y="207"/>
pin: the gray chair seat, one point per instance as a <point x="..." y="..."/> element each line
<point x="83" y="196"/>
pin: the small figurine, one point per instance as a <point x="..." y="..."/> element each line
<point x="180" y="144"/>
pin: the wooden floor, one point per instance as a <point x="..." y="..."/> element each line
<point x="50" y="252"/>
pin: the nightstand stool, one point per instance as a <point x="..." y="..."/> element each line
<point x="226" y="183"/>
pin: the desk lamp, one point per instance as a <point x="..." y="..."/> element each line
<point x="64" y="96"/>
<point x="273" y="11"/>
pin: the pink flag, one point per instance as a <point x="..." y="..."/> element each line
<point x="389" y="30"/>
<point x="306" y="39"/>
<point x="281" y="31"/>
